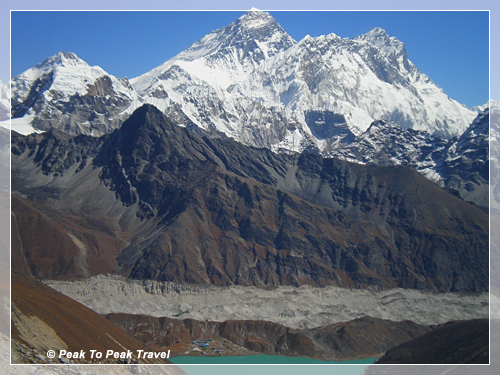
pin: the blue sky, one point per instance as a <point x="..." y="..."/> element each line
<point x="450" y="47"/>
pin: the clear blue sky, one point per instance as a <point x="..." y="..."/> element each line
<point x="450" y="47"/>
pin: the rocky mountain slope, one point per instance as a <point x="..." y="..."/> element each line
<point x="459" y="163"/>
<point x="361" y="338"/>
<point x="453" y="343"/>
<point x="182" y="208"/>
<point x="43" y="319"/>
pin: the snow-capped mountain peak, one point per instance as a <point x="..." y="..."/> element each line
<point x="61" y="59"/>
<point x="255" y="18"/>
<point x="225" y="56"/>
<point x="64" y="72"/>
<point x="256" y="32"/>
<point x="64" y="91"/>
<point x="263" y="28"/>
<point x="379" y="38"/>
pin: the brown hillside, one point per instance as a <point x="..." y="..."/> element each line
<point x="45" y="319"/>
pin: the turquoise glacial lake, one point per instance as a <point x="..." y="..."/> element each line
<point x="268" y="365"/>
<point x="261" y="359"/>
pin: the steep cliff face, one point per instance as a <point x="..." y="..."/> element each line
<point x="197" y="210"/>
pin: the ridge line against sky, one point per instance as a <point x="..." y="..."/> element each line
<point x="467" y="81"/>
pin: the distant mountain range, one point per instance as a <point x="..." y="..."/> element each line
<point x="257" y="85"/>
<point x="252" y="82"/>
<point x="359" y="100"/>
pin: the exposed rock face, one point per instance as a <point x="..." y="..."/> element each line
<point x="460" y="163"/>
<point x="453" y="343"/>
<point x="360" y="338"/>
<point x="65" y="93"/>
<point x="328" y="125"/>
<point x="208" y="211"/>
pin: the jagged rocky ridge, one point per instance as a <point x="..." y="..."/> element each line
<point x="198" y="210"/>
<point x="459" y="163"/>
